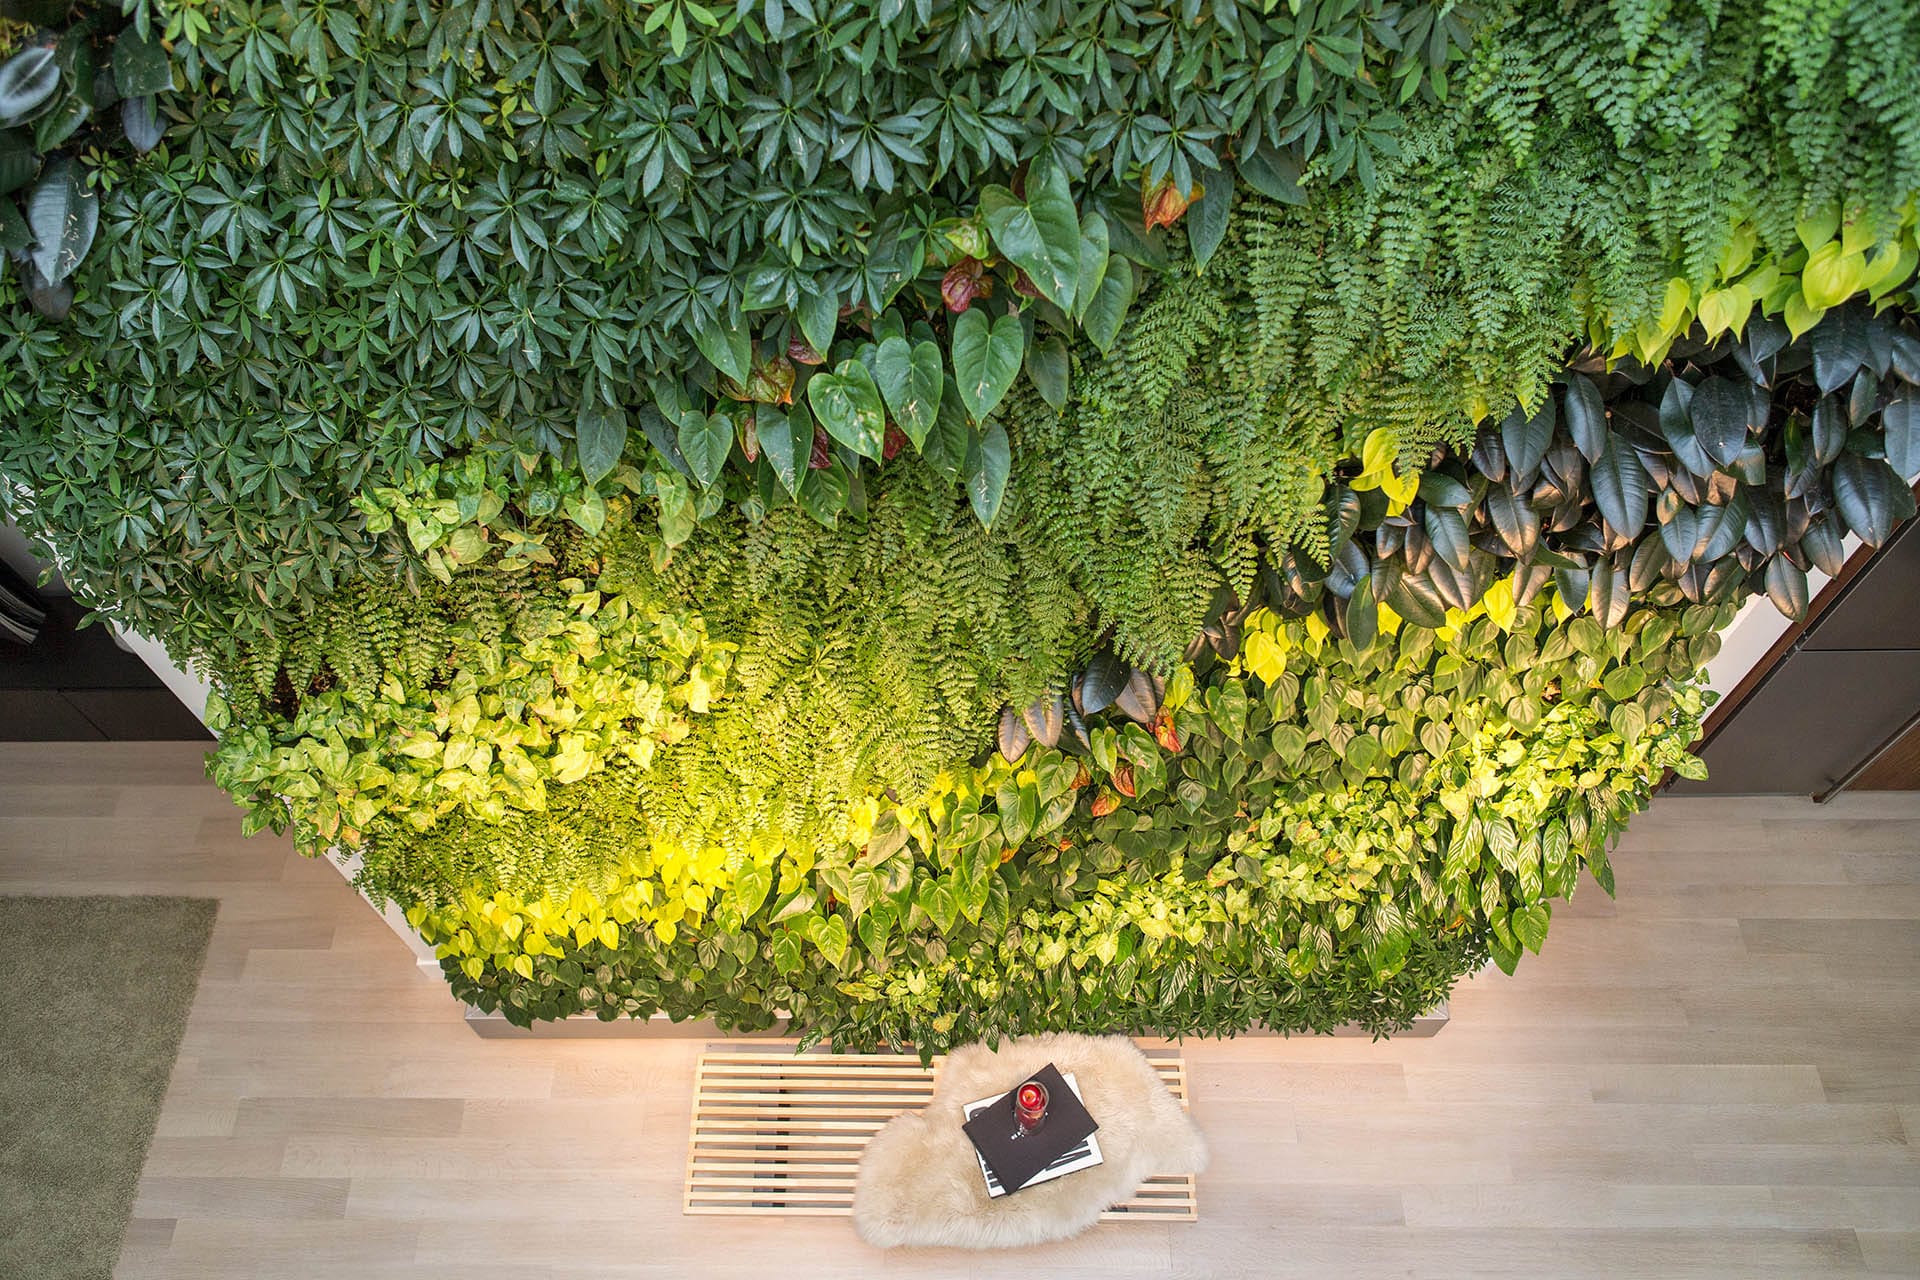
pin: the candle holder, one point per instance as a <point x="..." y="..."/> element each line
<point x="1029" y="1108"/>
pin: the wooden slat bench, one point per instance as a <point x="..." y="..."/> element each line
<point x="780" y="1133"/>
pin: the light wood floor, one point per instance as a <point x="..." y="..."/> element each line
<point x="1719" y="1075"/>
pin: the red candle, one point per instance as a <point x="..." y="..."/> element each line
<point x="1030" y="1106"/>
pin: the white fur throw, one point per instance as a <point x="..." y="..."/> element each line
<point x="920" y="1182"/>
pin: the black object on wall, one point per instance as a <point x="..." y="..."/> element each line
<point x="74" y="684"/>
<point x="1847" y="689"/>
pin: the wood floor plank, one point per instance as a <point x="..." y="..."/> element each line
<point x="1715" y="1075"/>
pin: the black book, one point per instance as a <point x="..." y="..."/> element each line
<point x="1015" y="1161"/>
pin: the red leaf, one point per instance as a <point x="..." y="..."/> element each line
<point x="1164" y="204"/>
<point x="962" y="284"/>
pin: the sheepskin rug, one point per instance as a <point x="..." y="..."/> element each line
<point x="919" y="1182"/>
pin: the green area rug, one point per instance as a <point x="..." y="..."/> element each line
<point x="94" y="994"/>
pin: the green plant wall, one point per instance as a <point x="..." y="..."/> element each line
<point x="810" y="509"/>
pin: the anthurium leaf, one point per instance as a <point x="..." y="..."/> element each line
<point x="1621" y="487"/>
<point x="704" y="442"/>
<point x="1586" y="416"/>
<point x="140" y="66"/>
<point x="27" y="80"/>
<point x="823" y="493"/>
<point x="727" y="345"/>
<point x="1041" y="234"/>
<point x="988" y="462"/>
<point x="1107" y="310"/>
<point x="1526" y="437"/>
<point x="63" y="216"/>
<point x="786" y="441"/>
<point x="1049" y="367"/>
<point x="1095" y="255"/>
<point x="1207" y="219"/>
<point x="1870" y="497"/>
<point x="911" y="381"/>
<point x="1722" y="414"/>
<point x="1676" y="424"/>
<point x="1901" y="419"/>
<point x="986" y="360"/>
<point x="946" y="446"/>
<point x="599" y="437"/>
<point x="847" y="403"/>
<point x="1862" y="397"/>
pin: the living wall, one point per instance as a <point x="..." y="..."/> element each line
<point x="941" y="520"/>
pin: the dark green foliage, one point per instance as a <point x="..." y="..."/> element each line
<point x="1733" y="468"/>
<point x="737" y="982"/>
<point x="61" y="138"/>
